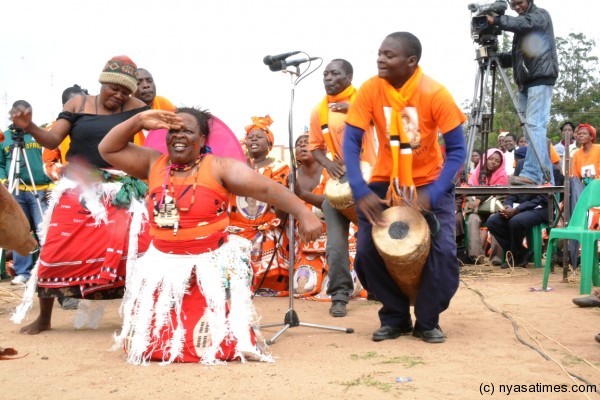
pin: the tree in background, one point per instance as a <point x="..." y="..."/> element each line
<point x="576" y="93"/>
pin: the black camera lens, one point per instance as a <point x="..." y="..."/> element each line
<point x="480" y="22"/>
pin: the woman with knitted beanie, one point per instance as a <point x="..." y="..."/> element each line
<point x="87" y="237"/>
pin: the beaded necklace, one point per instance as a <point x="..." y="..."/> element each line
<point x="183" y="168"/>
<point x="167" y="215"/>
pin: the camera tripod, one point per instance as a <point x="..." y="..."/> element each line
<point x="14" y="173"/>
<point x="291" y="319"/>
<point x="480" y="123"/>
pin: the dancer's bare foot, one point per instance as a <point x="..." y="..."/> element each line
<point x="35" y="327"/>
<point x="42" y="323"/>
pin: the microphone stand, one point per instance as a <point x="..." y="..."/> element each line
<point x="291" y="319"/>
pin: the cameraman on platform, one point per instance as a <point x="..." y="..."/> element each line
<point x="23" y="264"/>
<point x="535" y="69"/>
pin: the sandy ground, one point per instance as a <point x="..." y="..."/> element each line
<point x="491" y="310"/>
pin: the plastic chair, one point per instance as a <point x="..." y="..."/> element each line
<point x="578" y="230"/>
<point x="535" y="244"/>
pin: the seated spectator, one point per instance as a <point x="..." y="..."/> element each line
<point x="521" y="212"/>
<point x="494" y="174"/>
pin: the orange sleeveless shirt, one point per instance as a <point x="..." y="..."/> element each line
<point x="203" y="216"/>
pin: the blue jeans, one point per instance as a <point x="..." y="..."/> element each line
<point x="23" y="264"/>
<point x="535" y="102"/>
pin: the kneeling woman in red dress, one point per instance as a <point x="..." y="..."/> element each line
<point x="188" y="298"/>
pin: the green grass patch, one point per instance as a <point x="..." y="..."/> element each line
<point x="365" y="356"/>
<point x="406" y="361"/>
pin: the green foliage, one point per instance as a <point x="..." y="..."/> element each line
<point x="576" y="94"/>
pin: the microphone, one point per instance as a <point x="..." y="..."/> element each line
<point x="268" y="60"/>
<point x="282" y="64"/>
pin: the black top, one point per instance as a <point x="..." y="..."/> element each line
<point x="532" y="30"/>
<point x="87" y="130"/>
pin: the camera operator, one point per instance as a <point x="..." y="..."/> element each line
<point x="17" y="138"/>
<point x="535" y="69"/>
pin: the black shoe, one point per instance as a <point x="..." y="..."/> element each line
<point x="497" y="263"/>
<point x="389" y="332"/>
<point x="504" y="265"/>
<point x="466" y="259"/>
<point x="524" y="259"/>
<point x="588" y="301"/>
<point x="338" y="309"/>
<point x="371" y="296"/>
<point x="434" y="335"/>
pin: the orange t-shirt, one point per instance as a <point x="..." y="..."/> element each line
<point x="583" y="162"/>
<point x="336" y="125"/>
<point x="436" y="111"/>
<point x="554" y="157"/>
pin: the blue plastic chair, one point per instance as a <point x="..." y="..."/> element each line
<point x="578" y="230"/>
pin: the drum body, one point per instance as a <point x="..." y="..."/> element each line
<point x="15" y="233"/>
<point x="339" y="194"/>
<point x="403" y="242"/>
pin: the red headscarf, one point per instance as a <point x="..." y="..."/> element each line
<point x="498" y="177"/>
<point x="589" y="128"/>
<point x="263" y="124"/>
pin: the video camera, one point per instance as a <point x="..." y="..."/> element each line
<point x="481" y="31"/>
<point x="18" y="135"/>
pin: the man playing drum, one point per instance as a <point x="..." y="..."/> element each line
<point x="401" y="89"/>
<point x="326" y="135"/>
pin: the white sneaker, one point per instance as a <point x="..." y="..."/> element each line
<point x="19" y="280"/>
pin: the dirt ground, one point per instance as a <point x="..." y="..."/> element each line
<point x="492" y="309"/>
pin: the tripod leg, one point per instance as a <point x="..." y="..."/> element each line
<point x="291" y="318"/>
<point x="14" y="173"/>
<point x="276" y="336"/>
<point x="35" y="192"/>
<point x="479" y="96"/>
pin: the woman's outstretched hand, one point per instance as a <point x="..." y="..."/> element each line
<point x="159" y="119"/>
<point x="310" y="227"/>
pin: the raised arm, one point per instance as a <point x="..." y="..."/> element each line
<point x="240" y="180"/>
<point x="22" y="117"/>
<point x="116" y="147"/>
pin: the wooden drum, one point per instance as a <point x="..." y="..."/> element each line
<point x="15" y="233"/>
<point x="339" y="194"/>
<point x="403" y="242"/>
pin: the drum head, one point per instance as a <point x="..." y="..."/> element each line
<point x="404" y="232"/>
<point x="403" y="242"/>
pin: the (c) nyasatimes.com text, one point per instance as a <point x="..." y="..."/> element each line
<point x="489" y="388"/>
